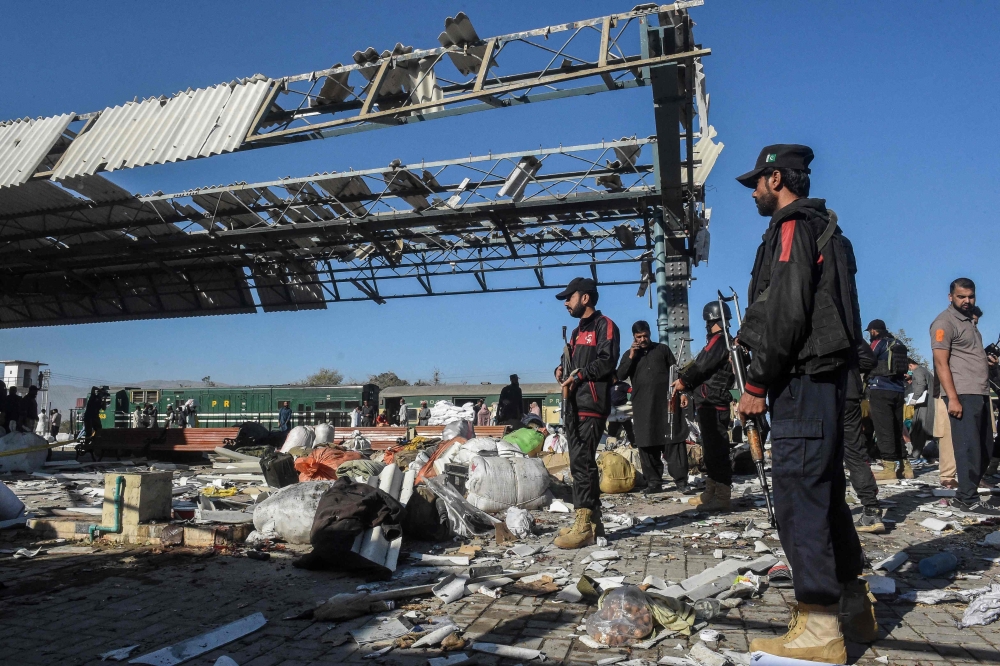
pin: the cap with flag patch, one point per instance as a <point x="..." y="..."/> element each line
<point x="778" y="156"/>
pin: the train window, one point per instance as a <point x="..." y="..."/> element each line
<point x="327" y="405"/>
<point x="348" y="404"/>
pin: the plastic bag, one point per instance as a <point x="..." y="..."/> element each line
<point x="460" y="428"/>
<point x="465" y="519"/>
<point x="982" y="610"/>
<point x="527" y="439"/>
<point x="623" y="617"/>
<point x="519" y="522"/>
<point x="556" y="443"/>
<point x="357" y="442"/>
<point x="322" y="463"/>
<point x="290" y="511"/>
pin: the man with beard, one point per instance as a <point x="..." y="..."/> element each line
<point x="586" y="375"/>
<point x="885" y="402"/>
<point x="799" y="325"/>
<point x="962" y="366"/>
<point x="647" y="367"/>
<point x="709" y="378"/>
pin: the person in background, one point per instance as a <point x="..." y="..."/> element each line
<point x="586" y="373"/>
<point x="404" y="414"/>
<point x="55" y="422"/>
<point x="137" y="417"/>
<point x="92" y="414"/>
<point x="535" y="409"/>
<point x="482" y="413"/>
<point x="962" y="367"/>
<point x="710" y="378"/>
<point x="285" y="417"/>
<point x="885" y="401"/>
<point x="423" y="414"/>
<point x="12" y="409"/>
<point x="28" y="411"/>
<point x="920" y="390"/>
<point x="152" y="415"/>
<point x="381" y="421"/>
<point x="646" y="365"/>
<point x="168" y="417"/>
<point x="356" y="417"/>
<point x="368" y="414"/>
<point x="511" y="402"/>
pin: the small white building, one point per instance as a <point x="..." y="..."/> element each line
<point x="22" y="374"/>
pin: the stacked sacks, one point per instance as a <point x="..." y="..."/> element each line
<point x="444" y="412"/>
<point x="290" y="511"/>
<point x="322" y="463"/>
<point x="324" y="434"/>
<point x="496" y="483"/>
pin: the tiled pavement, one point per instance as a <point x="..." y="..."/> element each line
<point x="66" y="610"/>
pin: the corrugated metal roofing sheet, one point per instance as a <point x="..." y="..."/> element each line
<point x="193" y="123"/>
<point x="25" y="143"/>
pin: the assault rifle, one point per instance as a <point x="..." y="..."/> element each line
<point x="751" y="426"/>
<point x="674" y="398"/>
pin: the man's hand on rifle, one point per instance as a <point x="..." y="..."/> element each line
<point x="751" y="405"/>
<point x="559" y="374"/>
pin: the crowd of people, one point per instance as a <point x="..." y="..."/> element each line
<point x="826" y="397"/>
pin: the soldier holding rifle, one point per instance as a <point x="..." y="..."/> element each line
<point x="799" y="327"/>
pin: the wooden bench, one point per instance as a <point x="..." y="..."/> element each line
<point x="149" y="440"/>
<point x="481" y="431"/>
<point x="380" y="438"/>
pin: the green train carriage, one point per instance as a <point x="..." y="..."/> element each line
<point x="228" y="406"/>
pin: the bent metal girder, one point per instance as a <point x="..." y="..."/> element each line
<point x="77" y="248"/>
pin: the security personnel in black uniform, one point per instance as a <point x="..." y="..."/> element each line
<point x="799" y="326"/>
<point x="711" y="377"/>
<point x="586" y="381"/>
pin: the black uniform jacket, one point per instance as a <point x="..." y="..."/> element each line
<point x="649" y="374"/>
<point x="594" y="347"/>
<point x="801" y="314"/>
<point x="710" y="375"/>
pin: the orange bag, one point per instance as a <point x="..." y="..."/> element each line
<point x="323" y="462"/>
<point x="428" y="471"/>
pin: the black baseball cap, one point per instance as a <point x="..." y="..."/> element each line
<point x="876" y="325"/>
<point x="586" y="285"/>
<point x="779" y="156"/>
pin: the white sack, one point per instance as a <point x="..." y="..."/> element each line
<point x="10" y="506"/>
<point x="324" y="434"/>
<point x="291" y="510"/>
<point x="299" y="436"/>
<point x="507" y="449"/>
<point x="496" y="484"/>
<point x="23" y="462"/>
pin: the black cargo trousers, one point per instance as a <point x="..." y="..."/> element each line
<point x="807" y="466"/>
<point x="583" y="434"/>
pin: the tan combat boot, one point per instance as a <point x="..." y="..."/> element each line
<point x="907" y="472"/>
<point x="707" y="496"/>
<point x="887" y="473"/>
<point x="857" y="613"/>
<point x="721" y="501"/>
<point x="580" y="535"/>
<point x="813" y="635"/>
<point x="595" y="520"/>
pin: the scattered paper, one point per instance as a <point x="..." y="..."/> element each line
<point x="119" y="654"/>
<point x="880" y="584"/>
<point x="193" y="647"/>
<point x="509" y="651"/>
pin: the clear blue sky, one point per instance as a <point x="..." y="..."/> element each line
<point x="898" y="99"/>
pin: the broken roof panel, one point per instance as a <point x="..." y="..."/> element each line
<point x="25" y="143"/>
<point x="193" y="123"/>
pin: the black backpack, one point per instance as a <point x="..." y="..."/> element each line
<point x="895" y="363"/>
<point x="619" y="394"/>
